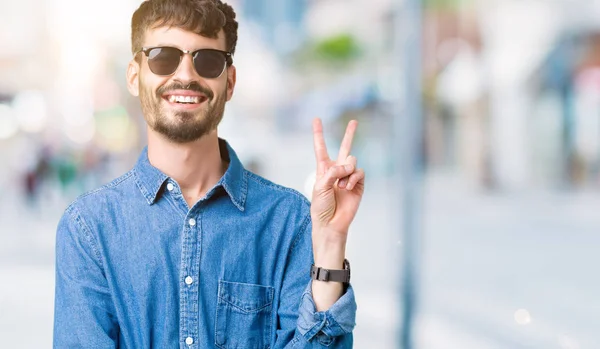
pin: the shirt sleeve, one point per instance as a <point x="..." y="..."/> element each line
<point x="299" y="323"/>
<point x="84" y="315"/>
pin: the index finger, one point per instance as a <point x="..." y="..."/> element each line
<point x="347" y="142"/>
<point x="319" y="141"/>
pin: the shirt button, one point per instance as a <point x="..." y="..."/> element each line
<point x="189" y="280"/>
<point x="192" y="222"/>
<point x="189" y="341"/>
<point x="170" y="186"/>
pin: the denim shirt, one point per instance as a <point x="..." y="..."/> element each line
<point x="137" y="268"/>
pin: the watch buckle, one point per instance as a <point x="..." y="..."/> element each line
<point x="323" y="274"/>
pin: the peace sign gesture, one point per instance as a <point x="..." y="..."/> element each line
<point x="338" y="188"/>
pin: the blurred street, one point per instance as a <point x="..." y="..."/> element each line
<point x="484" y="258"/>
<point x="512" y="270"/>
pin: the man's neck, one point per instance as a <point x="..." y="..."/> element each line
<point x="196" y="166"/>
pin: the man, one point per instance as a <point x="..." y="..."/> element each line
<point x="188" y="249"/>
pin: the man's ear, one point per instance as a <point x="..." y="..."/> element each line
<point x="231" y="78"/>
<point x="133" y="77"/>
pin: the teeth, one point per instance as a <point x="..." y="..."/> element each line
<point x="184" y="99"/>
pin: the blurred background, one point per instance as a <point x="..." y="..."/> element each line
<point x="506" y="178"/>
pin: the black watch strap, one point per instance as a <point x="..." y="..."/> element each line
<point x="322" y="274"/>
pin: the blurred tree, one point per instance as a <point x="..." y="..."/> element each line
<point x="335" y="52"/>
<point x="342" y="47"/>
<point x="446" y="4"/>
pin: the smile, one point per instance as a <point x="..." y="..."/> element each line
<point x="186" y="99"/>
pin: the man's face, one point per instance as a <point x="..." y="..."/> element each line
<point x="181" y="122"/>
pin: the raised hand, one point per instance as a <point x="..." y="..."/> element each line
<point x="338" y="189"/>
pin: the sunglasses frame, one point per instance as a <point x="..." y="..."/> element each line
<point x="228" y="58"/>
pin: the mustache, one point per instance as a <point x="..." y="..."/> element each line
<point x="192" y="86"/>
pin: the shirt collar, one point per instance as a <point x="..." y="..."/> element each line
<point x="150" y="180"/>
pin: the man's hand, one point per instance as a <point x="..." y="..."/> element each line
<point x="337" y="193"/>
<point x="338" y="188"/>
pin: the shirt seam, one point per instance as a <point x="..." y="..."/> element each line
<point x="75" y="215"/>
<point x="265" y="182"/>
<point x="113" y="184"/>
<point x="301" y="231"/>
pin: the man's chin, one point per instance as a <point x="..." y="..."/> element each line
<point x="187" y="117"/>
<point x="184" y="116"/>
<point x="181" y="132"/>
<point x="180" y="137"/>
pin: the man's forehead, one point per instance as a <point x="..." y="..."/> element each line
<point x="178" y="36"/>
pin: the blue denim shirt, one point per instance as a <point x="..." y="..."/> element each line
<point x="137" y="268"/>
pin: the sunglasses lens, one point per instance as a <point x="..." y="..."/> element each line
<point x="209" y="63"/>
<point x="164" y="60"/>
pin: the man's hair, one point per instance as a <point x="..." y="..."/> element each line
<point x="203" y="17"/>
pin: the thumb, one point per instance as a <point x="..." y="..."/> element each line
<point x="333" y="174"/>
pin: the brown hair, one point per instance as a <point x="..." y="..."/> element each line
<point x="204" y="17"/>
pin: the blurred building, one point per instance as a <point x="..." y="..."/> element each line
<point x="504" y="92"/>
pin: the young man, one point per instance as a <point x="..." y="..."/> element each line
<point x="188" y="249"/>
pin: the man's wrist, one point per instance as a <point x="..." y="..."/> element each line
<point x="329" y="257"/>
<point x="329" y="249"/>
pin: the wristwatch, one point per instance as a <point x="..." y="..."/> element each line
<point x="322" y="274"/>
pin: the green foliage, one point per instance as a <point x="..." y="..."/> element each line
<point x="339" y="48"/>
<point x="445" y="4"/>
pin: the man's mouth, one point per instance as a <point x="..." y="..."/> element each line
<point x="185" y="99"/>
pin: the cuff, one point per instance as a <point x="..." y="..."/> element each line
<point x="336" y="321"/>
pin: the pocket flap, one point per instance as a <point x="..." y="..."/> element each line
<point x="247" y="297"/>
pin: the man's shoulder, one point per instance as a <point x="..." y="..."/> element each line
<point x="108" y="192"/>
<point x="271" y="190"/>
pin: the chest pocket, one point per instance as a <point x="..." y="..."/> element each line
<point x="243" y="316"/>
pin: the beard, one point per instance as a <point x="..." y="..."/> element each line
<point x="182" y="126"/>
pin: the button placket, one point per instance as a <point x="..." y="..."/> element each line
<point x="189" y="293"/>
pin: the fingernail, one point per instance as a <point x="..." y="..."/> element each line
<point x="348" y="167"/>
<point x="342" y="183"/>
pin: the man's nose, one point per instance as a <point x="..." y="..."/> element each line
<point x="186" y="72"/>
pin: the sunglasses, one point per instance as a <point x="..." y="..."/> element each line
<point x="209" y="63"/>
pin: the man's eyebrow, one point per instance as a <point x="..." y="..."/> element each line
<point x="175" y="46"/>
<point x="160" y="44"/>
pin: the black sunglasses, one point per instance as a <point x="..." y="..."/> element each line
<point x="209" y="63"/>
